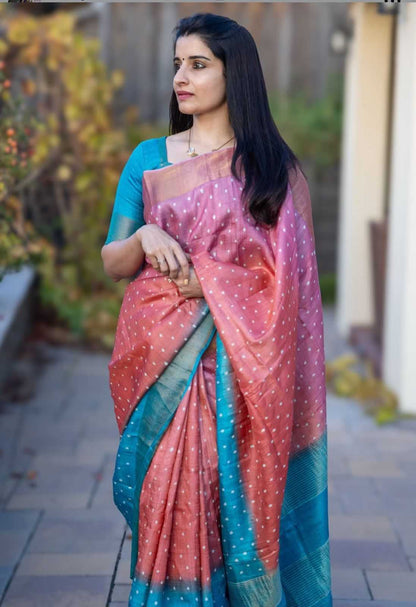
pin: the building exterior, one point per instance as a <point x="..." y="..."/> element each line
<point x="376" y="272"/>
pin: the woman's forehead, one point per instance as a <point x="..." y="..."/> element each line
<point x="189" y="46"/>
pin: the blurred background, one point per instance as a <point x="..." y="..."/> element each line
<point x="82" y="84"/>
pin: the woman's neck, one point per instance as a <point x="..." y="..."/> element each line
<point x="210" y="131"/>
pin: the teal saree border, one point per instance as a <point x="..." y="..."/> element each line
<point x="179" y="593"/>
<point x="303" y="577"/>
<point x="249" y="584"/>
<point x="304" y="558"/>
<point x="151" y="418"/>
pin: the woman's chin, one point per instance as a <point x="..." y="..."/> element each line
<point x="185" y="109"/>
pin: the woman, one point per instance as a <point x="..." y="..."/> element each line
<point x="217" y="372"/>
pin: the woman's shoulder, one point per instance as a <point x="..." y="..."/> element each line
<point x="150" y="153"/>
<point x="150" y="144"/>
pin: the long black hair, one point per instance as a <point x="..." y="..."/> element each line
<point x="264" y="155"/>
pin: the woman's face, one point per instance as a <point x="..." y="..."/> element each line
<point x="199" y="72"/>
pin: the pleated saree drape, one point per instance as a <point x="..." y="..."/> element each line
<point x="220" y="401"/>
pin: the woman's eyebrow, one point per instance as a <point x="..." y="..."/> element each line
<point x="195" y="57"/>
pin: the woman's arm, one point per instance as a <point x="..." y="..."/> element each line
<point x="123" y="258"/>
<point x="122" y="253"/>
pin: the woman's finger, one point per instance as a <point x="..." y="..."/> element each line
<point x="154" y="262"/>
<point x="166" y="255"/>
<point x="163" y="265"/>
<point x="172" y="264"/>
<point x="183" y="264"/>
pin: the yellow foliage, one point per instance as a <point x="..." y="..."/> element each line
<point x="87" y="132"/>
<point x="83" y="181"/>
<point x="21" y="29"/>
<point x="59" y="28"/>
<point x="54" y="140"/>
<point x="35" y="248"/>
<point x="14" y="204"/>
<point x="93" y="45"/>
<point x="52" y="63"/>
<point x="72" y="112"/>
<point x="339" y="364"/>
<point x="371" y="391"/>
<point x="64" y="173"/>
<point x="42" y="148"/>
<point x="29" y="87"/>
<point x="117" y="78"/>
<point x="75" y="159"/>
<point x="347" y="382"/>
<point x="52" y="122"/>
<point x="4" y="47"/>
<point x="30" y="54"/>
<point x="17" y="252"/>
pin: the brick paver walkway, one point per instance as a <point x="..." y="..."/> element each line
<point x="63" y="543"/>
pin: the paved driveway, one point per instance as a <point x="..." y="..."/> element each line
<point x="63" y="543"/>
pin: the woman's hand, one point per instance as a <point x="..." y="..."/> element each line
<point x="192" y="288"/>
<point x="163" y="252"/>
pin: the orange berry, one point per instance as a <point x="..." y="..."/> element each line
<point x="7" y="84"/>
<point x="7" y="149"/>
<point x="2" y="65"/>
<point x="10" y="132"/>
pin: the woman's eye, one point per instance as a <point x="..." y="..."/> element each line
<point x="197" y="64"/>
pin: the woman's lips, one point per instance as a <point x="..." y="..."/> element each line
<point x="184" y="95"/>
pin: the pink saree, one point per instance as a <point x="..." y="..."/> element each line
<point x="221" y="403"/>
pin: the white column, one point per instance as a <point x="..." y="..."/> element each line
<point x="363" y="162"/>
<point x="399" y="354"/>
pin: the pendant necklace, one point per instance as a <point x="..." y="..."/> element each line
<point x="191" y="150"/>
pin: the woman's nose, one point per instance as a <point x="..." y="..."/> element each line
<point x="181" y="74"/>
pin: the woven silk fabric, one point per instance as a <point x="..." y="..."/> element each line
<point x="220" y="401"/>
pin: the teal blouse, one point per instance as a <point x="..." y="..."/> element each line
<point x="127" y="214"/>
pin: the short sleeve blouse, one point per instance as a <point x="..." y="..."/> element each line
<point x="127" y="214"/>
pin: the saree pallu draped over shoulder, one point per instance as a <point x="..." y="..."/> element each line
<point x="220" y="401"/>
